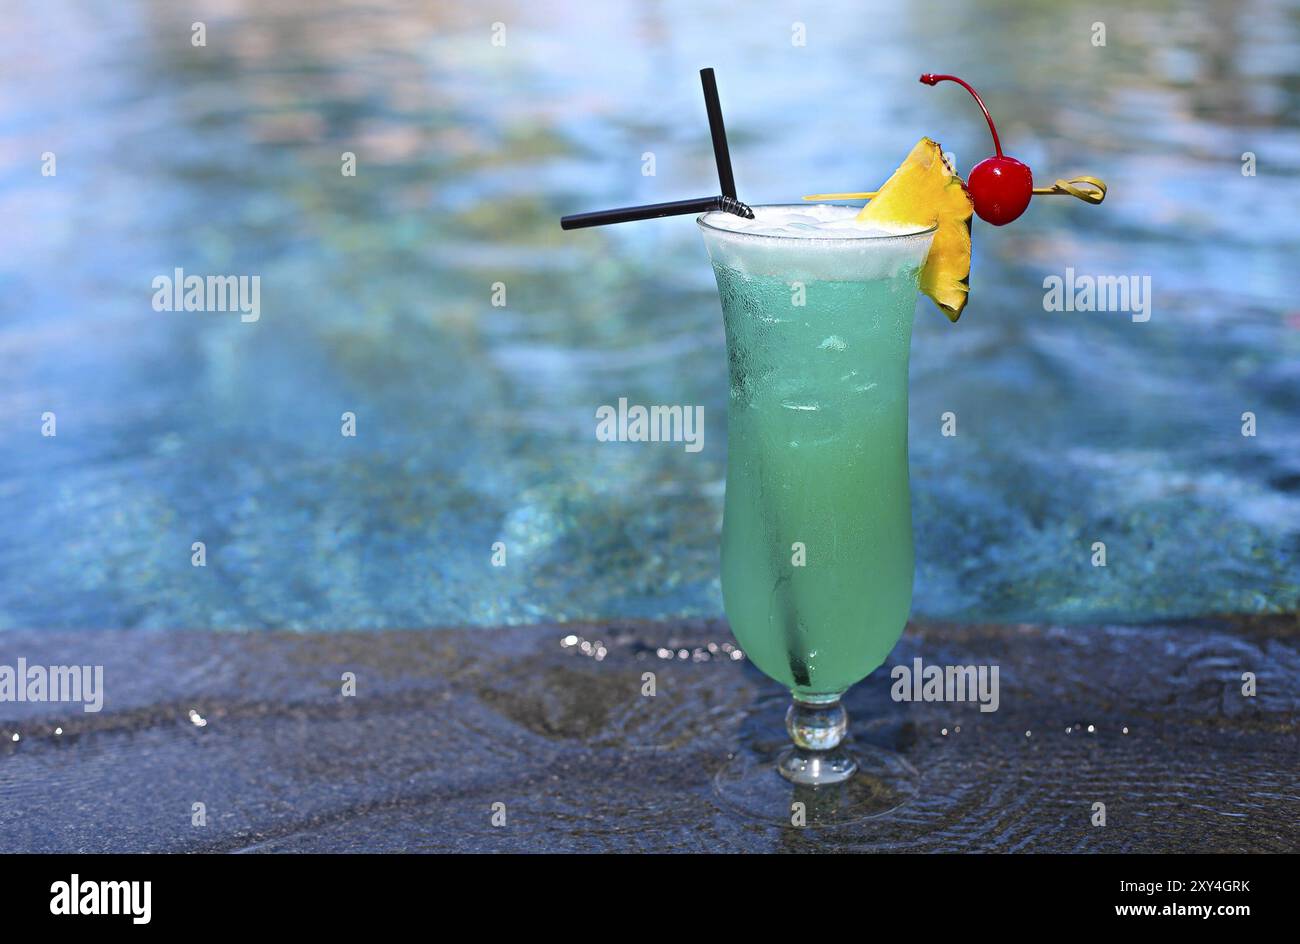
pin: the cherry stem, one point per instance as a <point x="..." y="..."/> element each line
<point x="931" y="79"/>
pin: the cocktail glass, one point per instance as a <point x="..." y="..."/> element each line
<point x="817" y="529"/>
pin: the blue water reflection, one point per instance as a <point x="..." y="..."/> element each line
<point x="475" y="423"/>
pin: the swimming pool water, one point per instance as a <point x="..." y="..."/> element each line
<point x="475" y="423"/>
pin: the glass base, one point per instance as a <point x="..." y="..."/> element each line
<point x="816" y="768"/>
<point x="816" y="778"/>
<point x="752" y="786"/>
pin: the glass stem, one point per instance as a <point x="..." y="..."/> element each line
<point x="818" y="755"/>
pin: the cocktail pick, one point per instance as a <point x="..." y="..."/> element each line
<point x="726" y="201"/>
<point x="1088" y="189"/>
<point x="1000" y="186"/>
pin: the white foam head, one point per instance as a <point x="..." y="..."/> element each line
<point x="815" y="241"/>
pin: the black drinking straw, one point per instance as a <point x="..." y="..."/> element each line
<point x="652" y="211"/>
<point x="726" y="201"/>
<point x="719" y="131"/>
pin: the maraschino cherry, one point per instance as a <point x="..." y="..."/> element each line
<point x="1000" y="186"/>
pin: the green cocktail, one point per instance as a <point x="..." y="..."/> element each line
<point x="817" y="533"/>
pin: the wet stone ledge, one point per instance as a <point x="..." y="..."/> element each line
<point x="551" y="722"/>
